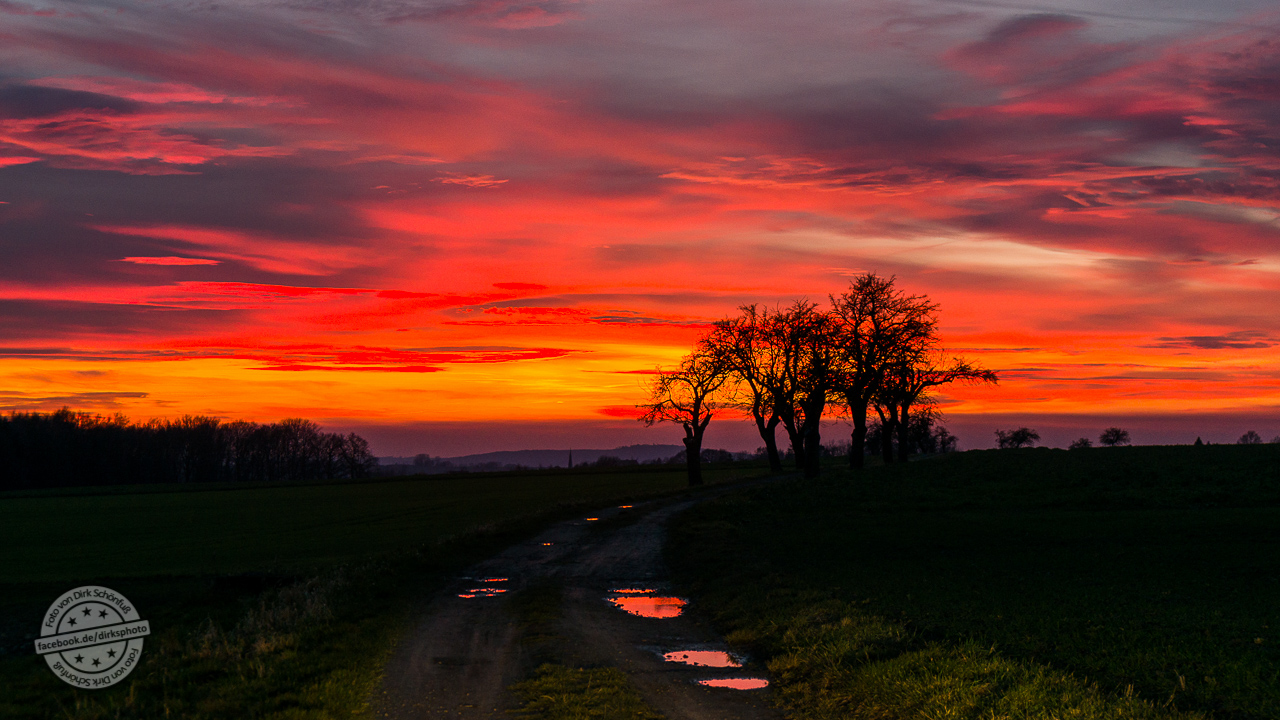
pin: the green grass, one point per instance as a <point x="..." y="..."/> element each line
<point x="264" y="602"/>
<point x="1107" y="583"/>
<point x="557" y="692"/>
<point x="236" y="529"/>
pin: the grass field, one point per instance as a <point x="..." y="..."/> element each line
<point x="264" y="601"/>
<point x="183" y="530"/>
<point x="1104" y="583"/>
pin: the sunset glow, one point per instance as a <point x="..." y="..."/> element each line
<point x="394" y="215"/>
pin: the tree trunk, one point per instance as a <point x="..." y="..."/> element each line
<point x="812" y="450"/>
<point x="904" y="433"/>
<point x="797" y="443"/>
<point x="693" y="456"/>
<point x="858" y="440"/>
<point x="770" y="441"/>
<point x="888" y="426"/>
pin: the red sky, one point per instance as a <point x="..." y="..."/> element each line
<point x="465" y="225"/>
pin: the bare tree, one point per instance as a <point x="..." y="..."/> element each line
<point x="909" y="378"/>
<point x="1022" y="437"/>
<point x="1113" y="436"/>
<point x="876" y="325"/>
<point x="743" y="345"/>
<point x="687" y="396"/>
<point x="810" y="367"/>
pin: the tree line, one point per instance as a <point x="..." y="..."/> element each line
<point x="874" y="349"/>
<point x="74" y="448"/>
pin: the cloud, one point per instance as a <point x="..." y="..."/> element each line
<point x="168" y="261"/>
<point x="105" y="400"/>
<point x="477" y="181"/>
<point x="1238" y="340"/>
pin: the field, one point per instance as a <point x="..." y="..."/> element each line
<point x="1103" y="583"/>
<point x="265" y="601"/>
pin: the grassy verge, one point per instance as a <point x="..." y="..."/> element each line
<point x="296" y="625"/>
<point x="1126" y="583"/>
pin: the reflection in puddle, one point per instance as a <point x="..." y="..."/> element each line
<point x="482" y="592"/>
<point x="546" y="544"/>
<point x="623" y="507"/>
<point x="651" y="607"/>
<point x="702" y="658"/>
<point x="633" y="591"/>
<point x="492" y="580"/>
<point x="592" y="519"/>
<point x="736" y="683"/>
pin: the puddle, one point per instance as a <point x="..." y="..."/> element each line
<point x="633" y="591"/>
<point x="650" y="607"/>
<point x="736" y="683"/>
<point x="623" y="507"/>
<point x="482" y="592"/>
<point x="547" y="544"/>
<point x="492" y="580"/>
<point x="702" y="658"/>
<point x="592" y="519"/>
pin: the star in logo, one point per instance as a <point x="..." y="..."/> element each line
<point x="96" y="662"/>
<point x="102" y="613"/>
<point x="79" y="658"/>
<point x="111" y="653"/>
<point x="86" y="611"/>
<point x="72" y="621"/>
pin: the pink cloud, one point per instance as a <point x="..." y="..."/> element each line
<point x="169" y="261"/>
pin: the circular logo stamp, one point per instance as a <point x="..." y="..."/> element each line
<point x="92" y="637"/>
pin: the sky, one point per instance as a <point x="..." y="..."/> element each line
<point x="466" y="225"/>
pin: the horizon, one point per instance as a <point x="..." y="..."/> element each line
<point x="462" y="222"/>
<point x="974" y="433"/>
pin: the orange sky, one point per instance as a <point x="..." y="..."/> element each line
<point x="393" y="215"/>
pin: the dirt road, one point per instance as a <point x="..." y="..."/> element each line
<point x="465" y="651"/>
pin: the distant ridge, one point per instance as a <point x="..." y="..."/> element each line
<point x="548" y="458"/>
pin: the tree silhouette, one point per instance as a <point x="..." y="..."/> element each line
<point x="876" y="326"/>
<point x="1022" y="437"/>
<point x="1250" y="438"/>
<point x="908" y="379"/>
<point x="746" y="346"/>
<point x="812" y="369"/>
<point x="687" y="396"/>
<point x="1114" y="436"/>
<point x="1080" y="444"/>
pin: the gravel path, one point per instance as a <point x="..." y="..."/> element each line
<point x="464" y="652"/>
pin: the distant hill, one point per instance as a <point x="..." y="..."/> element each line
<point x="504" y="459"/>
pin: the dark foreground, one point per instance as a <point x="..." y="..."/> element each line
<point x="1107" y="583"/>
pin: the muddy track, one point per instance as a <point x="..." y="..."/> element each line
<point x="464" y="652"/>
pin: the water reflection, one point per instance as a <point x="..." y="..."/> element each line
<point x="482" y="592"/>
<point x="633" y="591"/>
<point x="650" y="607"/>
<point x="736" y="683"/>
<point x="702" y="658"/>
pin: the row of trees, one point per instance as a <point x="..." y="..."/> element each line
<point x="74" y="448"/>
<point x="875" y="348"/>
